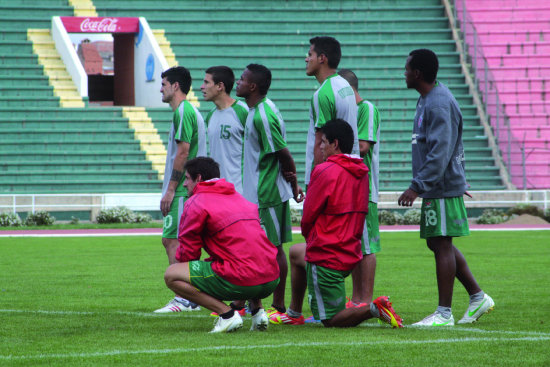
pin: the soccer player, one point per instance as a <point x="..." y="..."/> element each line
<point x="266" y="163"/>
<point x="332" y="223"/>
<point x="333" y="99"/>
<point x="225" y="123"/>
<point x="368" y="127"/>
<point x="242" y="261"/>
<point x="187" y="140"/>
<point x="439" y="179"/>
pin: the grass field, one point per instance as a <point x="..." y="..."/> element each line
<point x="88" y="302"/>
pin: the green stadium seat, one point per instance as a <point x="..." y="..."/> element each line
<point x="99" y="149"/>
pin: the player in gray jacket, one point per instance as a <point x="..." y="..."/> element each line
<point x="439" y="179"/>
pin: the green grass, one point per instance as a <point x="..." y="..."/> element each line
<point x="88" y="301"/>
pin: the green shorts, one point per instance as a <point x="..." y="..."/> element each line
<point x="205" y="280"/>
<point x="275" y="221"/>
<point x="171" y="222"/>
<point x="443" y="217"/>
<point x="370" y="241"/>
<point x="326" y="291"/>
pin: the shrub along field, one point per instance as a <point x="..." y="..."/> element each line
<point x="72" y="301"/>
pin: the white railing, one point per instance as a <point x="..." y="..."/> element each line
<point x="75" y="202"/>
<point x="151" y="202"/>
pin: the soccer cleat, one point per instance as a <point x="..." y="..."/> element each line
<point x="435" y="319"/>
<point x="273" y="316"/>
<point x="259" y="321"/>
<point x="283" y="318"/>
<point x="477" y="309"/>
<point x="241" y="312"/>
<point x="351" y="304"/>
<point x="311" y="320"/>
<point x="233" y="323"/>
<point x="270" y="311"/>
<point x="387" y="313"/>
<point x="178" y="306"/>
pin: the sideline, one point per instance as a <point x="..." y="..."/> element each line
<point x="113" y="232"/>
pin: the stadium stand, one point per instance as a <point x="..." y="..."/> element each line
<point x="45" y="147"/>
<point x="515" y="39"/>
<point x="376" y="38"/>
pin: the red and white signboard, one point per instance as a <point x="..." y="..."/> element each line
<point x="101" y="24"/>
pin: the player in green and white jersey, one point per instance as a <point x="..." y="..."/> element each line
<point x="269" y="172"/>
<point x="187" y="140"/>
<point x="225" y="123"/>
<point x="334" y="98"/>
<point x="368" y="126"/>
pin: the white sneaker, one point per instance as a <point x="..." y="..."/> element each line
<point x="259" y="321"/>
<point x="435" y="319"/>
<point x="177" y="306"/>
<point x="477" y="309"/>
<point x="222" y="325"/>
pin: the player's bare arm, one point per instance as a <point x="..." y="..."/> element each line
<point x="175" y="176"/>
<point x="364" y="147"/>
<point x="289" y="173"/>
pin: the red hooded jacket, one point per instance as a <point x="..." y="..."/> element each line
<point x="227" y="225"/>
<point x="335" y="207"/>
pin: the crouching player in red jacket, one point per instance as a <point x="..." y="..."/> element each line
<point x="242" y="263"/>
<point x="332" y="223"/>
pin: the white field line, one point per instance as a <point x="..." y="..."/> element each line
<point x="91" y="313"/>
<point x="268" y="346"/>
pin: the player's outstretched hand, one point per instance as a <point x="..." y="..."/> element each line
<point x="407" y="198"/>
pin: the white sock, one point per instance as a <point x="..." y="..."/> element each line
<point x="477" y="297"/>
<point x="290" y="312"/>
<point x="444" y="311"/>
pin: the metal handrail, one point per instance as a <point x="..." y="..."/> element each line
<point x="511" y="149"/>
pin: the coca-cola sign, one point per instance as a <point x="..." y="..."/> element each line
<point x="101" y="24"/>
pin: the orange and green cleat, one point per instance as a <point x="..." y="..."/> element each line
<point x="387" y="313"/>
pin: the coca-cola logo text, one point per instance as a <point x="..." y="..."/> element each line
<point x="104" y="25"/>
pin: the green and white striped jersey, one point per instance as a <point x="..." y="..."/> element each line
<point x="368" y="128"/>
<point x="333" y="99"/>
<point x="225" y="138"/>
<point x="187" y="126"/>
<point x="264" y="135"/>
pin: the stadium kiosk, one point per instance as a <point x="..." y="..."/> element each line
<point x="138" y="59"/>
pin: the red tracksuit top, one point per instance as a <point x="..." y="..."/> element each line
<point x="222" y="221"/>
<point x="335" y="207"/>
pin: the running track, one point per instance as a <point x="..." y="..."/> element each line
<point x="158" y="231"/>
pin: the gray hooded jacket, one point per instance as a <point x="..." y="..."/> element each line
<point x="437" y="151"/>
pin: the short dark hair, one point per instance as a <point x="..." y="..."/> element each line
<point x="350" y="77"/>
<point x="340" y="130"/>
<point x="426" y="62"/>
<point x="329" y="47"/>
<point x="178" y="74"/>
<point x="204" y="166"/>
<point x="222" y="74"/>
<point x="261" y="76"/>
